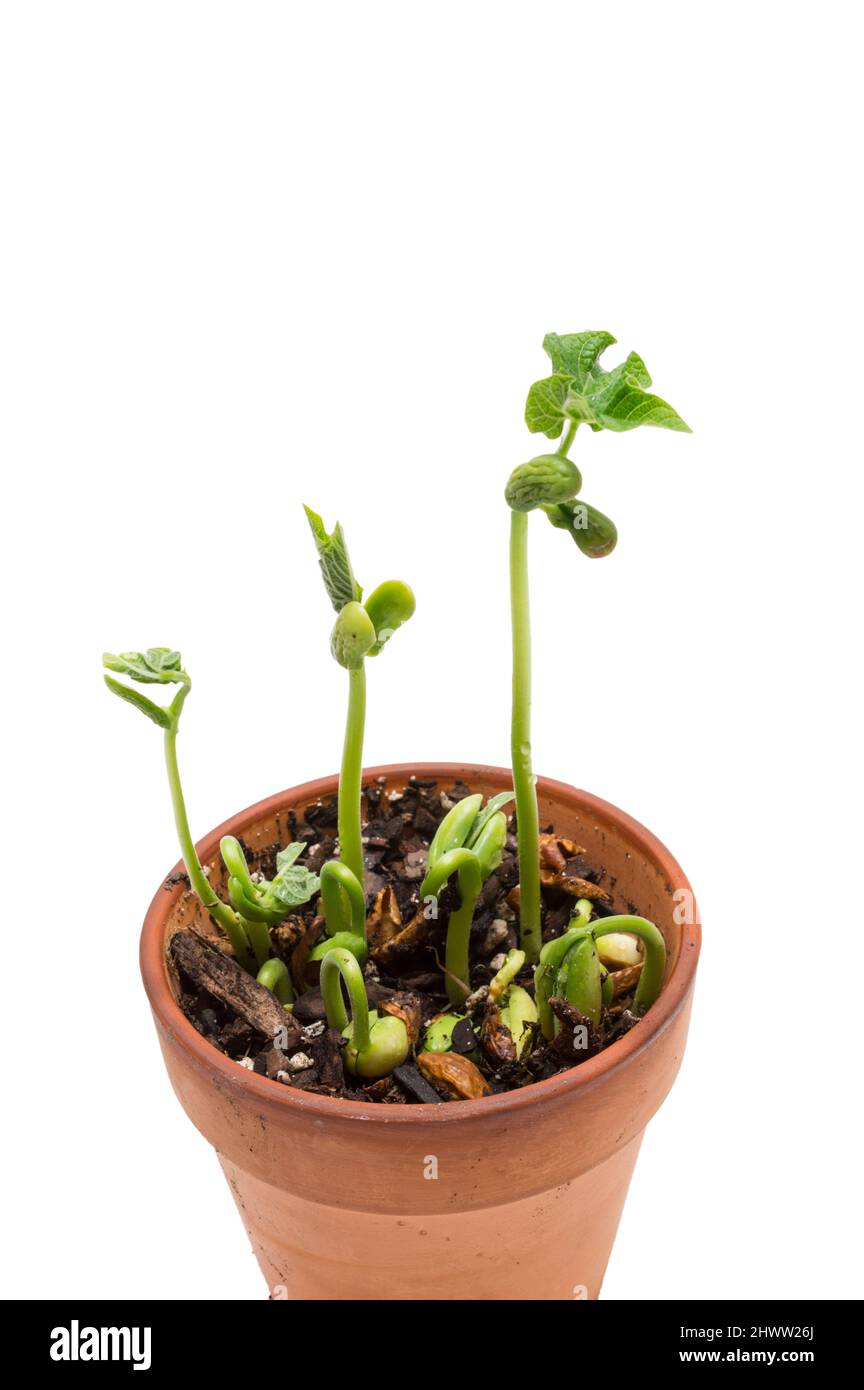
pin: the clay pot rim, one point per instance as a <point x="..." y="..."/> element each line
<point x="588" y="1074"/>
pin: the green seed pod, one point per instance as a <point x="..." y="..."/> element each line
<point x="389" y="606"/>
<point x="551" y="958"/>
<point x="595" y="534"/>
<point x="454" y="829"/>
<point x="352" y="636"/>
<point x="580" y="979"/>
<point x="520" y="1010"/>
<point x="490" y="843"/>
<point x="545" y="480"/>
<point x="388" y="1047"/>
<point x="439" y="1033"/>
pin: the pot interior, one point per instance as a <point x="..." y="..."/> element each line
<point x="639" y="873"/>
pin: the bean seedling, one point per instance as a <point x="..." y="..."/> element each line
<point x="255" y="906"/>
<point x="571" y="966"/>
<point x="505" y="1012"/>
<point x="467" y="843"/>
<point x="579" y="391"/>
<point x="361" y="630"/>
<point x="375" y="1044"/>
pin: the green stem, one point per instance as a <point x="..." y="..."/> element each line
<point x="258" y="936"/>
<point x="527" y="815"/>
<point x="343" y="898"/>
<point x="654" y="964"/>
<point x="274" y="975"/>
<point x="568" y="437"/>
<point x="336" y="965"/>
<point x="465" y="864"/>
<point x="201" y="885"/>
<point x="551" y="957"/>
<point x="459" y="936"/>
<point x="350" y="839"/>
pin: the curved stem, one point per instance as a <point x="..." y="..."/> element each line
<point x="275" y="976"/>
<point x="551" y="957"/>
<point x="568" y="437"/>
<point x="343" y="898"/>
<point x="654" y="964"/>
<point x="465" y="864"/>
<point x="350" y="840"/>
<point x="258" y="934"/>
<point x="527" y="815"/>
<point x="341" y="965"/>
<point x="219" y="911"/>
<point x="580" y="979"/>
<point x="458" y="938"/>
<point x="235" y="862"/>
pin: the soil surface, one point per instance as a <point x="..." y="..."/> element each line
<point x="403" y="974"/>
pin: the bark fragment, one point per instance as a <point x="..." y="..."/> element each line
<point x="206" y="967"/>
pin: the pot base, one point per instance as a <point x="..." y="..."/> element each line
<point x="554" y="1246"/>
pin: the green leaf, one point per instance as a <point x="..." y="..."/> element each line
<point x="156" y="666"/>
<point x="618" y="401"/>
<point x="574" y="354"/>
<point x="581" y="390"/>
<point x="335" y="563"/>
<point x="134" y="697"/>
<point x="492" y="805"/>
<point x="285" y="858"/>
<point x="294" y="886"/>
<point x="544" y="408"/>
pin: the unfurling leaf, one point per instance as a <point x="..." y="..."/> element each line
<point x="295" y="886"/>
<point x="335" y="563"/>
<point x="581" y="391"/>
<point x="544" y="408"/>
<point x="618" y="401"/>
<point x="574" y="354"/>
<point x="492" y="805"/>
<point x="286" y="857"/>
<point x="134" y="697"/>
<point x="156" y="666"/>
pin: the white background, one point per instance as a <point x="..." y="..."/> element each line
<point x="259" y="254"/>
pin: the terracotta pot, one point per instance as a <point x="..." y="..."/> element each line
<point x="514" y="1196"/>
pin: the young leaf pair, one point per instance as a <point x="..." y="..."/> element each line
<point x="468" y="843"/>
